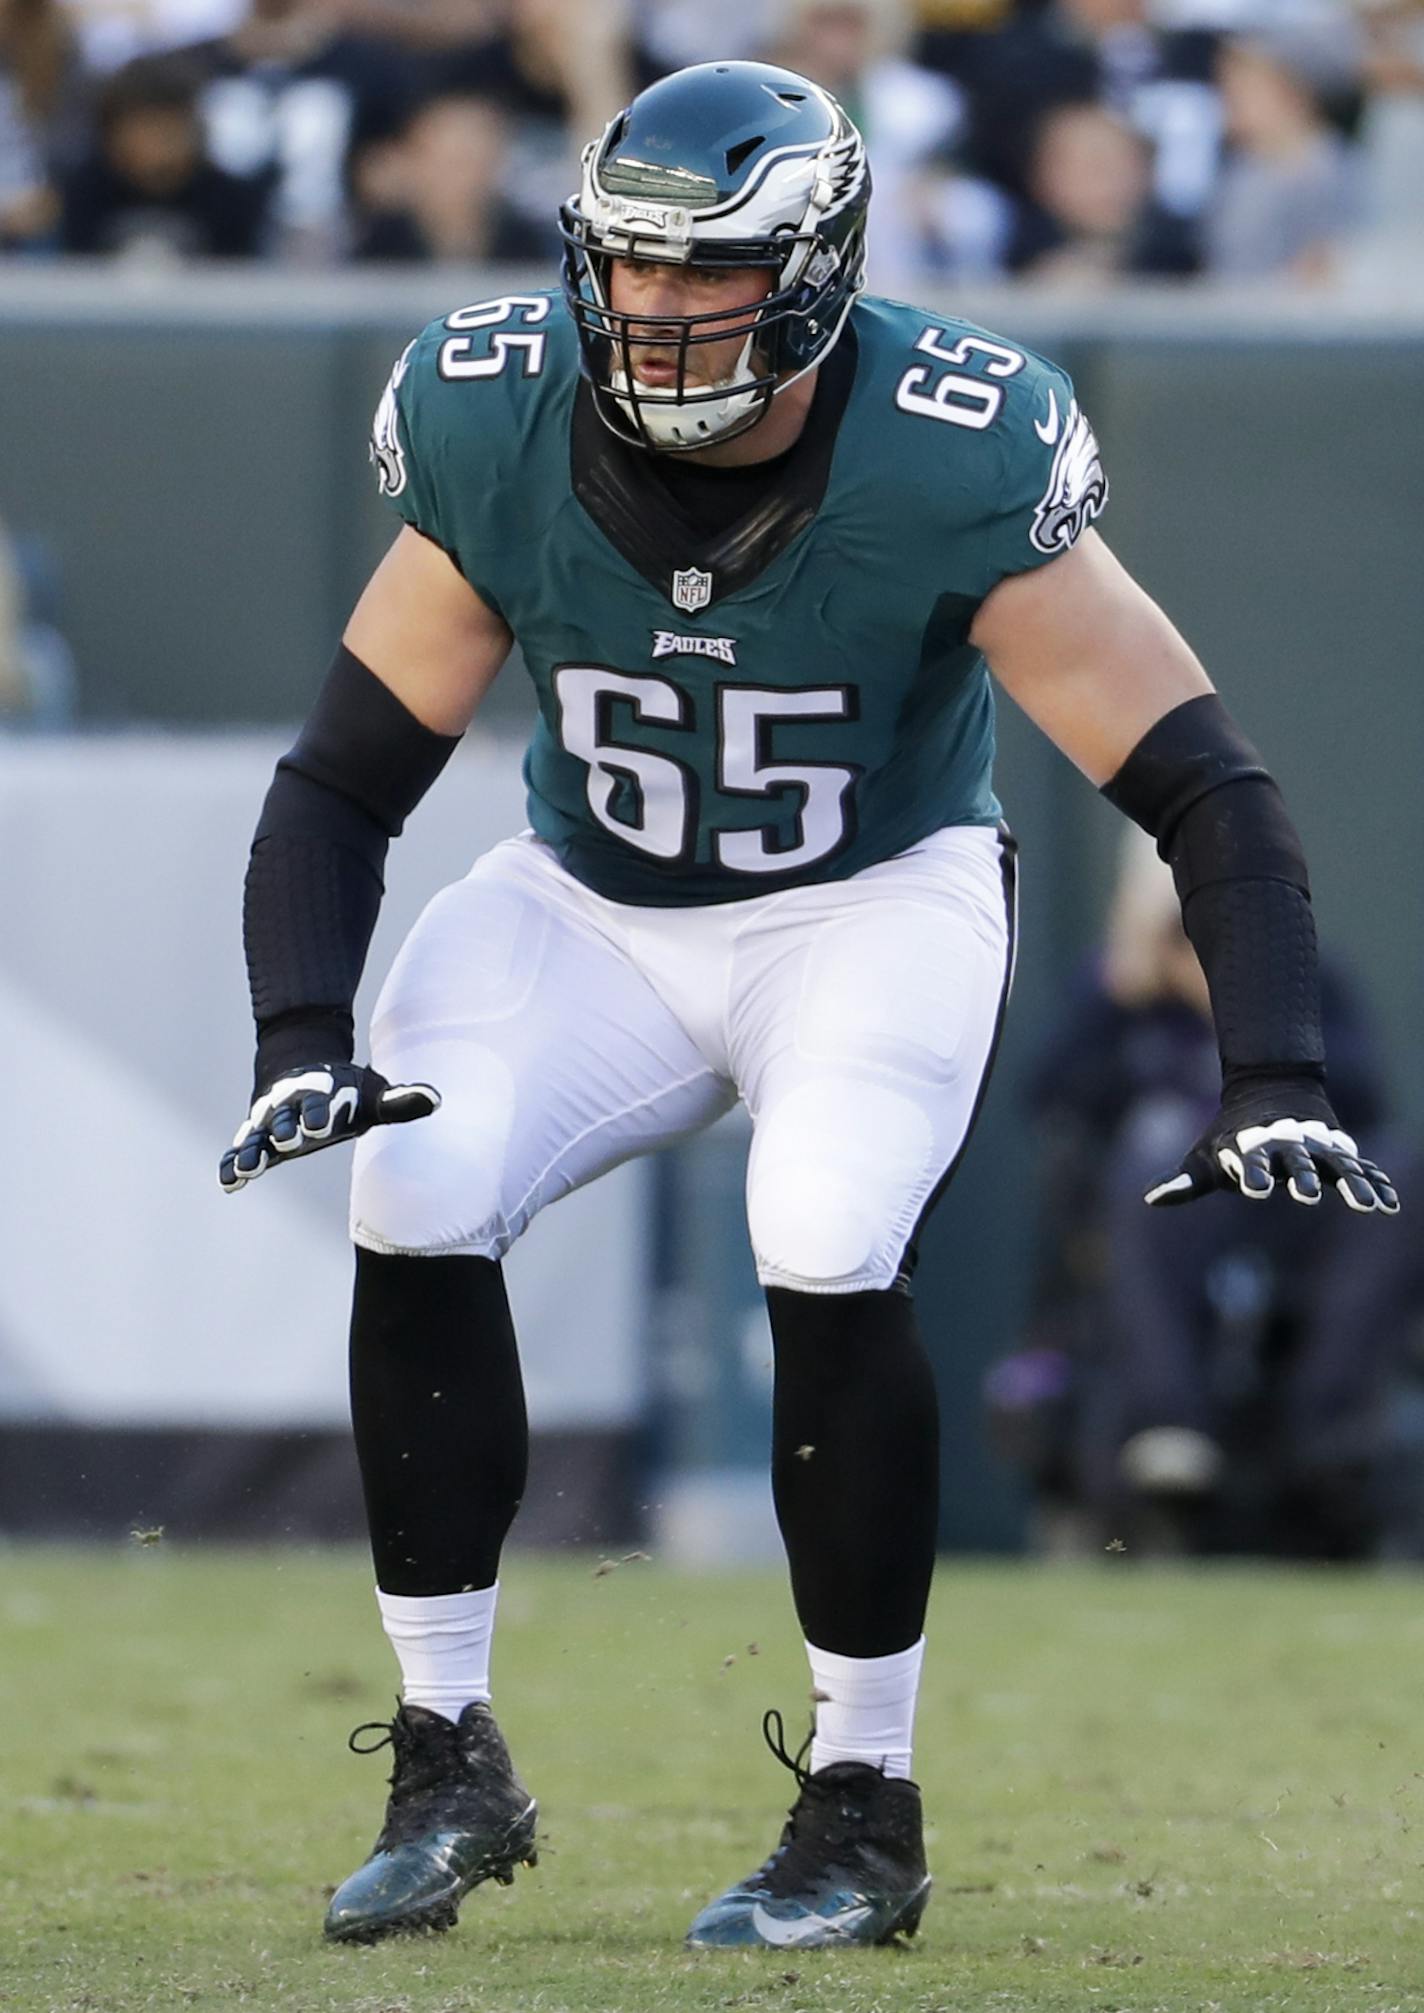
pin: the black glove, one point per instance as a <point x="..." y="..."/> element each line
<point x="307" y="1109"/>
<point x="1273" y="1128"/>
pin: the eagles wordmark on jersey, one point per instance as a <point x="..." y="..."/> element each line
<point x="822" y="707"/>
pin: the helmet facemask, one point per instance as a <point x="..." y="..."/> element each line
<point x="689" y="412"/>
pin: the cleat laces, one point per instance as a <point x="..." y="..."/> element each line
<point x="826" y="1821"/>
<point x="427" y="1757"/>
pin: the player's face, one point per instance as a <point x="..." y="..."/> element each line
<point x="660" y="295"/>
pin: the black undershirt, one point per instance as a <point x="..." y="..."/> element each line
<point x="717" y="498"/>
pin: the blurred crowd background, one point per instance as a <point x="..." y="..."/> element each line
<point x="1066" y="143"/>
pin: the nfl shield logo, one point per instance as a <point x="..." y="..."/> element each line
<point x="691" y="590"/>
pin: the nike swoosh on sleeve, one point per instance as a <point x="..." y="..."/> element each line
<point x="1048" y="433"/>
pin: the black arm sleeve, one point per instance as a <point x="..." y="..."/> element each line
<point x="315" y="878"/>
<point x="1198" y="786"/>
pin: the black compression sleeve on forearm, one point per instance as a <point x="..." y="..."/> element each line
<point x="315" y="879"/>
<point x="1255" y="940"/>
<point x="1197" y="785"/>
<point x="363" y="742"/>
<point x="1188" y="752"/>
<point x="313" y="892"/>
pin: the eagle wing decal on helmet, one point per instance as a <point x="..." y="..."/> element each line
<point x="845" y="168"/>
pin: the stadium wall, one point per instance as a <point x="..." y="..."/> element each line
<point x="170" y="1355"/>
<point x="192" y="449"/>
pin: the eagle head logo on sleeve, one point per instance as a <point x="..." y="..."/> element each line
<point x="386" y="451"/>
<point x="1077" y="488"/>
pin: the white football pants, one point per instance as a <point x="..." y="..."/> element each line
<point x="566" y="1033"/>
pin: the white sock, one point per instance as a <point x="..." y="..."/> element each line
<point x="865" y="1707"/>
<point x="443" y="1645"/>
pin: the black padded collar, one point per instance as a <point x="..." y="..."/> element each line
<point x="625" y="492"/>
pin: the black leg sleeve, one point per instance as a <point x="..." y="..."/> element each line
<point x="855" y="1466"/>
<point x="437" y="1404"/>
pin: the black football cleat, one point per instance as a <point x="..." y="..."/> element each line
<point x="458" y="1814"/>
<point x="850" y="1867"/>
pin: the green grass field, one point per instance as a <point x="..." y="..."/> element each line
<point x="1179" y="1791"/>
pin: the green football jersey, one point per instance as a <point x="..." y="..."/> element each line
<point x="789" y="700"/>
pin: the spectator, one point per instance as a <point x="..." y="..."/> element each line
<point x="556" y="68"/>
<point x="1192" y="1341"/>
<point x="1391" y="137"/>
<point x="433" y="192"/>
<point x="1091" y="52"/>
<point x="28" y="206"/>
<point x="963" y="225"/>
<point x="1162" y="81"/>
<point x="147" y="190"/>
<point x="1289" y="192"/>
<point x="908" y="115"/>
<point x="1091" y="218"/>
<point x="289" y="96"/>
<point x="39" y="114"/>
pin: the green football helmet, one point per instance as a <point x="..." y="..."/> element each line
<point x="723" y="164"/>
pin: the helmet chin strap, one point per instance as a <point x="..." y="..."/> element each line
<point x="677" y="423"/>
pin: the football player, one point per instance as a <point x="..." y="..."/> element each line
<point x="759" y="539"/>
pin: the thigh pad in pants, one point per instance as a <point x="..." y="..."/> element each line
<point x="868" y="1022"/>
<point x="554" y="1058"/>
